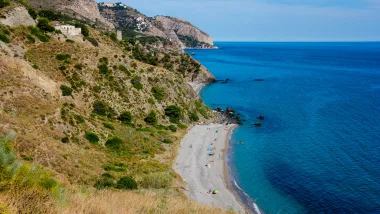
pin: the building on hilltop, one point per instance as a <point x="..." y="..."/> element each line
<point x="68" y="30"/>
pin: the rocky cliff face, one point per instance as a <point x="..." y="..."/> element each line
<point x="82" y="9"/>
<point x="180" y="33"/>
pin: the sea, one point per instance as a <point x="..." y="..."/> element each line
<point x="318" y="149"/>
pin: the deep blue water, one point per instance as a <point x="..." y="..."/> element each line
<point x="318" y="150"/>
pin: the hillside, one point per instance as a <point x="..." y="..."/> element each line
<point x="180" y="33"/>
<point x="88" y="117"/>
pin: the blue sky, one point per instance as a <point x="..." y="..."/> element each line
<point x="274" y="20"/>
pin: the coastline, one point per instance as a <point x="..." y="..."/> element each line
<point x="202" y="172"/>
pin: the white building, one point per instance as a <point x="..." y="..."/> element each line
<point x="69" y="30"/>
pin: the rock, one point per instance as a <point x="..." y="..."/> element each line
<point x="83" y="9"/>
<point x="16" y="17"/>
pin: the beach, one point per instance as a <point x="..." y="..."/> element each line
<point x="203" y="173"/>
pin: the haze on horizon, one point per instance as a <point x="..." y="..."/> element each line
<point x="274" y="20"/>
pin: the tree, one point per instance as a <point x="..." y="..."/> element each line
<point x="44" y="25"/>
<point x="126" y="182"/>
<point x="4" y="3"/>
<point x="151" y="119"/>
<point x="174" y="113"/>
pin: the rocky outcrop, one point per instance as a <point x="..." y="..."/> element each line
<point x="16" y="17"/>
<point x="180" y="33"/>
<point x="82" y="9"/>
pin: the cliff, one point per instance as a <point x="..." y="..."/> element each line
<point x="181" y="34"/>
<point x="82" y="9"/>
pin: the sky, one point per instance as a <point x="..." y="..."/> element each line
<point x="274" y="20"/>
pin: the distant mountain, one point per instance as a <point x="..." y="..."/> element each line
<point x="180" y="33"/>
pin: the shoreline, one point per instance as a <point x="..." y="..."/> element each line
<point x="202" y="172"/>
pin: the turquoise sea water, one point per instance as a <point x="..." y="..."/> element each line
<point x="318" y="150"/>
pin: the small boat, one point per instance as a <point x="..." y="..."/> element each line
<point x="258" y="124"/>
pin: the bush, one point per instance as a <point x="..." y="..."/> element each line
<point x="156" y="181"/>
<point x="127" y="183"/>
<point x="125" y="117"/>
<point x="167" y="141"/>
<point x="49" y="14"/>
<point x="108" y="126"/>
<point x="182" y="126"/>
<point x="151" y="101"/>
<point x="44" y="25"/>
<point x="124" y="69"/>
<point x="173" y="112"/>
<point x="92" y="137"/>
<point x="30" y="39"/>
<point x="66" y="91"/>
<point x="172" y="128"/>
<point x="194" y="117"/>
<point x="151" y="119"/>
<point x="101" y="108"/>
<point x="35" y="66"/>
<point x="4" y="38"/>
<point x="65" y="140"/>
<point x="40" y="35"/>
<point x="4" y="3"/>
<point x="62" y="57"/>
<point x="104" y="182"/>
<point x="158" y="93"/>
<point x="69" y="41"/>
<point x="32" y="13"/>
<point x="103" y="69"/>
<point x="136" y="82"/>
<point x="115" y="144"/>
<point x="84" y="29"/>
<point x="113" y="36"/>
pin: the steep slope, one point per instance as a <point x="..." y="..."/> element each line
<point x="180" y="33"/>
<point x="82" y="9"/>
<point x="93" y="111"/>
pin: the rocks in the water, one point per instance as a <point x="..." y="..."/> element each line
<point x="225" y="81"/>
<point x="257" y="124"/>
<point x="261" y="117"/>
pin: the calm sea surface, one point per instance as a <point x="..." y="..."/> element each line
<point x="318" y="150"/>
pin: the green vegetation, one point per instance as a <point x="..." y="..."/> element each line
<point x="156" y="181"/>
<point x="92" y="137"/>
<point x="194" y="117"/>
<point x="125" y="117"/>
<point x="126" y="183"/>
<point x="40" y="35"/>
<point x="167" y="141"/>
<point x="172" y="128"/>
<point x="136" y="82"/>
<point x="202" y="109"/>
<point x="124" y="69"/>
<point x="62" y="57"/>
<point x="174" y="113"/>
<point x="4" y="3"/>
<point x="4" y="38"/>
<point x="113" y="37"/>
<point x="108" y="126"/>
<point x="21" y="180"/>
<point x="66" y="91"/>
<point x="115" y="144"/>
<point x="69" y="41"/>
<point x="32" y="12"/>
<point x="84" y="28"/>
<point x="158" y="93"/>
<point x="103" y="109"/>
<point x="104" y="182"/>
<point x="30" y="38"/>
<point x="151" y="119"/>
<point x="44" y="25"/>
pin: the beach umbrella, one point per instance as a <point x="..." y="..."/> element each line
<point x="216" y="191"/>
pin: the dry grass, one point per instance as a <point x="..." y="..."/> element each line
<point x="107" y="201"/>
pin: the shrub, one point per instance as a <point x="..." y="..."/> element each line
<point x="44" y="25"/>
<point x="124" y="69"/>
<point x="30" y="39"/>
<point x="84" y="28"/>
<point x="158" y="93"/>
<point x="65" y="140"/>
<point x="35" y="66"/>
<point x="69" y="41"/>
<point x="66" y="91"/>
<point x="151" y="119"/>
<point x="194" y="116"/>
<point x="125" y="117"/>
<point x="127" y="183"/>
<point x="4" y="3"/>
<point x="156" y="180"/>
<point x="92" y="137"/>
<point x="103" y="69"/>
<point x="32" y="13"/>
<point x="78" y="66"/>
<point x="173" y="112"/>
<point x="62" y="68"/>
<point x="62" y="57"/>
<point x="182" y="126"/>
<point x="40" y="35"/>
<point x="4" y="38"/>
<point x="151" y="101"/>
<point x="167" y="141"/>
<point x="136" y="82"/>
<point x="108" y="126"/>
<point x="101" y="108"/>
<point x="79" y="118"/>
<point x="104" y="182"/>
<point x="49" y="14"/>
<point x="113" y="36"/>
<point x="172" y="128"/>
<point x="114" y="143"/>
